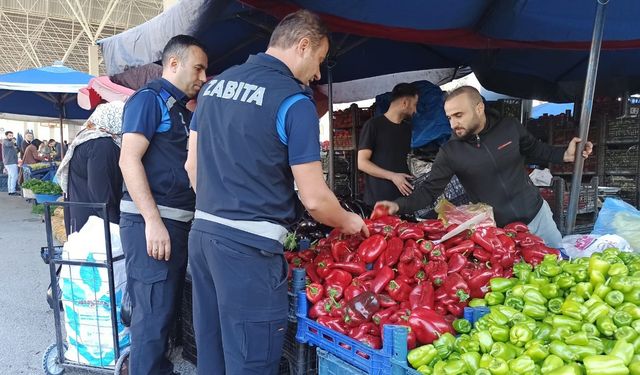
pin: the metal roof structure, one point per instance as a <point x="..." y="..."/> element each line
<point x="35" y="33"/>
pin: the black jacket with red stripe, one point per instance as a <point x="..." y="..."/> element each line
<point x="490" y="167"/>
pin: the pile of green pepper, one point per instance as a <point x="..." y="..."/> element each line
<point x="559" y="318"/>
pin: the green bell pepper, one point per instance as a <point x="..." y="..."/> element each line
<point x="522" y="365"/>
<point x="573" y="309"/>
<point x="482" y="324"/>
<point x="605" y="365"/>
<point x="482" y="371"/>
<point x="582" y="351"/>
<point x="549" y="268"/>
<point x="614" y="298"/>
<point x="502" y="350"/>
<point x="622" y="318"/>
<point x="477" y="302"/>
<point x="522" y="270"/>
<point x="606" y="326"/>
<point x="534" y="296"/>
<point x="584" y="290"/>
<point x="597" y="310"/>
<point x="462" y="325"/>
<point x="634" y="368"/>
<point x="597" y="344"/>
<point x="455" y="367"/>
<point x="534" y="311"/>
<point x="500" y="333"/>
<point x="536" y="350"/>
<point x="471" y="360"/>
<point x="563" y="351"/>
<point x="555" y="305"/>
<point x="601" y="290"/>
<point x="520" y="334"/>
<point x="599" y="265"/>
<point x="572" y="268"/>
<point x="550" y="291"/>
<point x="499" y="366"/>
<point x="494" y="298"/>
<point x="559" y="333"/>
<point x="465" y="344"/>
<point x="636" y="345"/>
<point x="590" y="329"/>
<point x="501" y="284"/>
<point x="551" y="363"/>
<point x="422" y="355"/>
<point x="536" y="279"/>
<point x="632" y="309"/>
<point x="633" y="296"/>
<point x="625" y="284"/>
<point x="579" y="338"/>
<point x="425" y="370"/>
<point x="514" y="302"/>
<point x="608" y="345"/>
<point x="611" y="251"/>
<point x="485" y="360"/>
<point x="626" y="333"/>
<point x="636" y="325"/>
<point x="543" y="331"/>
<point x="570" y="369"/>
<point x="618" y="269"/>
<point x="484" y="339"/>
<point x="454" y="355"/>
<point x="592" y="301"/>
<point x="564" y="281"/>
<point x="498" y="318"/>
<point x="438" y="368"/>
<point x="623" y="350"/>
<point x="444" y="344"/>
<point x="509" y="312"/>
<point x="520" y="289"/>
<point x="565" y="321"/>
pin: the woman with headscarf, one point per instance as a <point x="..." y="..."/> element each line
<point x="89" y="171"/>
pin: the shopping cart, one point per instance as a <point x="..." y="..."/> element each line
<point x="54" y="361"/>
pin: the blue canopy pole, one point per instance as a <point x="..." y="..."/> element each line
<point x="585" y="115"/>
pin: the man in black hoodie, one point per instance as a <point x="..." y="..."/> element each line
<point x="487" y="154"/>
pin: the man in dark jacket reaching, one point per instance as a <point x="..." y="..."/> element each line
<point x="487" y="154"/>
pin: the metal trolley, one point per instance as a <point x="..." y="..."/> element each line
<point x="54" y="361"/>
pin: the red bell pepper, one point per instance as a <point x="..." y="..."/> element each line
<point x="410" y="269"/>
<point x="323" y="308"/>
<point x="440" y="308"/>
<point x="435" y="236"/>
<point x="336" y="324"/>
<point x="426" y="247"/>
<point x="436" y="272"/>
<point x="371" y="248"/>
<point x="409" y="251"/>
<point x="353" y="290"/>
<point x="527" y="239"/>
<point x="334" y="291"/>
<point x="463" y="247"/>
<point x="394" y="250"/>
<point x="323" y="268"/>
<point x="379" y="211"/>
<point x="380" y="262"/>
<point x="315" y="292"/>
<point x="456" y="309"/>
<point x="410" y="232"/>
<point x="437" y="253"/>
<point x="383" y="315"/>
<point x="372" y="341"/>
<point x="368" y="328"/>
<point x="382" y="278"/>
<point x="352" y="318"/>
<point x="354" y="268"/>
<point x="307" y="255"/>
<point x="457" y="239"/>
<point x="422" y="295"/>
<point x="508" y="244"/>
<point x="338" y="277"/>
<point x="339" y="250"/>
<point x="457" y="262"/>
<point x="431" y="226"/>
<point x="535" y="253"/>
<point x="486" y="238"/>
<point x="420" y="276"/>
<point x="481" y="254"/>
<point x="385" y="300"/>
<point x="310" y="269"/>
<point x="518" y="227"/>
<point x="455" y="289"/>
<point x="428" y="325"/>
<point x="398" y="290"/>
<point x="479" y="282"/>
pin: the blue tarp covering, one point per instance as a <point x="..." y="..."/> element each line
<point x="530" y="49"/>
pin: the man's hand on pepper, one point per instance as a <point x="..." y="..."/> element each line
<point x="401" y="180"/>
<point x="570" y="153"/>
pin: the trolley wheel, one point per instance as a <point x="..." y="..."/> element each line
<point x="122" y="365"/>
<point x="50" y="363"/>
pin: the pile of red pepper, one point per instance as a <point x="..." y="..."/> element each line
<point x="400" y="276"/>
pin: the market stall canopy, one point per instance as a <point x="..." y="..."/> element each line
<point x="44" y="92"/>
<point x="530" y="49"/>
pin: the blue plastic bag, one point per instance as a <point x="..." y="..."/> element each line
<point x="619" y="217"/>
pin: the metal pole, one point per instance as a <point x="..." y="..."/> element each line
<point x="332" y="177"/>
<point x="585" y="115"/>
<point x="61" y="109"/>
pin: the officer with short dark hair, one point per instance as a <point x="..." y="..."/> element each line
<point x="255" y="132"/>
<point x="158" y="203"/>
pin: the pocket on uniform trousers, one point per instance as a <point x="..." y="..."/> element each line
<point x="279" y="272"/>
<point x="148" y="290"/>
<point x="263" y="341"/>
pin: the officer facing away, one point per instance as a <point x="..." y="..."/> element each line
<point x="254" y="133"/>
<point x="158" y="203"/>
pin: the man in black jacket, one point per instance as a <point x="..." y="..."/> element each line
<point x="487" y="154"/>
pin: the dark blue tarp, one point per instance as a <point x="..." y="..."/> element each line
<point x="529" y="49"/>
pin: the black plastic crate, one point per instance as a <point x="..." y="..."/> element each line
<point x="301" y="358"/>
<point x="4" y="182"/>
<point x="622" y="160"/>
<point x="623" y="130"/>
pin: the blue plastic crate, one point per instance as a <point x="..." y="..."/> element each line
<point x="472" y="314"/>
<point x="332" y="365"/>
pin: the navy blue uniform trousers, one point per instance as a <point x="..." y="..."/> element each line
<point x="155" y="287"/>
<point x="239" y="306"/>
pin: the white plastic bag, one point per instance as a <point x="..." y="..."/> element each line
<point x="621" y="218"/>
<point x="583" y="245"/>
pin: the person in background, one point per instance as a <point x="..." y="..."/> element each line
<point x="45" y="150"/>
<point x="89" y="172"/>
<point x="385" y="142"/>
<point x="255" y="132"/>
<point x="28" y="138"/>
<point x="53" y="146"/>
<point x="10" y="160"/>
<point x="31" y="155"/>
<point x="158" y="203"/>
<point x="487" y="153"/>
